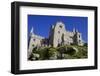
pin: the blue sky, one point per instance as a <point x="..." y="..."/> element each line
<point x="42" y="24"/>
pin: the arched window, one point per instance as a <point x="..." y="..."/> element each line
<point x="59" y="32"/>
<point x="60" y="26"/>
<point x="79" y="41"/>
<point x="34" y="39"/>
<point x="79" y="36"/>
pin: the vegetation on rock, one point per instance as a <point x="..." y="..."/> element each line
<point x="61" y="52"/>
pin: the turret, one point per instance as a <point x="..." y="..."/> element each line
<point x="32" y="31"/>
<point x="75" y="30"/>
<point x="52" y="27"/>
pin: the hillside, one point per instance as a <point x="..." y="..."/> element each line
<point x="62" y="52"/>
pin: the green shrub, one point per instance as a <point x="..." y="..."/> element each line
<point x="82" y="53"/>
<point x="61" y="52"/>
<point x="71" y="51"/>
<point x="43" y="53"/>
<point x="67" y="49"/>
<point x="53" y="53"/>
<point x="67" y="56"/>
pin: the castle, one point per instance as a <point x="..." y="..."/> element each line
<point x="58" y="36"/>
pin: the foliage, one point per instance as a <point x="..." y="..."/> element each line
<point x="85" y="44"/>
<point x="61" y="52"/>
<point x="43" y="53"/>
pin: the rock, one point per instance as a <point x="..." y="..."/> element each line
<point x="63" y="55"/>
<point x="75" y="49"/>
<point x="53" y="58"/>
<point x="71" y="50"/>
<point x="33" y="58"/>
<point x="36" y="55"/>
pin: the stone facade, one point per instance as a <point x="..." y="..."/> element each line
<point x="58" y="36"/>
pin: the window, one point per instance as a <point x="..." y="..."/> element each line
<point x="58" y="31"/>
<point x="33" y="39"/>
<point x="60" y="26"/>
<point x="79" y="36"/>
<point x="79" y="41"/>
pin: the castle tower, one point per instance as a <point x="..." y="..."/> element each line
<point x="57" y="31"/>
<point x="51" y="34"/>
<point x="77" y="39"/>
<point x="32" y="31"/>
<point x="30" y="47"/>
<point x="34" y="41"/>
<point x="75" y="30"/>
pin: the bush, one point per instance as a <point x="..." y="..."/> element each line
<point x="82" y="53"/>
<point x="52" y="53"/>
<point x="67" y="56"/>
<point x="85" y="44"/>
<point x="62" y="49"/>
<point x="34" y="56"/>
<point x="71" y="50"/>
<point x="67" y="49"/>
<point x="62" y="52"/>
<point x="43" y="53"/>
